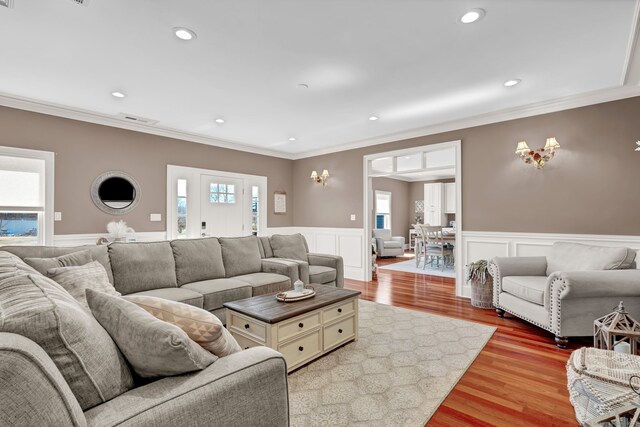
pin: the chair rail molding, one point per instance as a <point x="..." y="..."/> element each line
<point x="488" y="244"/>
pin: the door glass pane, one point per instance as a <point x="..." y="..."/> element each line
<point x="384" y="164"/>
<point x="222" y="188"/>
<point x="231" y="198"/>
<point x="255" y="200"/>
<point x="182" y="208"/>
<point x="213" y="197"/>
<point x="19" y="228"/>
<point x="213" y="188"/>
<point x="410" y="162"/>
<point x="231" y="189"/>
<point x="222" y="198"/>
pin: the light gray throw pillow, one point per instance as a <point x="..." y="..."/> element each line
<point x="290" y="246"/>
<point x="197" y="260"/>
<point x="241" y="255"/>
<point x="73" y="259"/>
<point x="36" y="307"/>
<point x="11" y="266"/>
<point x="142" y="266"/>
<point x="152" y="347"/>
<point x="76" y="279"/>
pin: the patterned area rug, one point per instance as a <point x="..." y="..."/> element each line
<point x="403" y="365"/>
<point x="410" y="267"/>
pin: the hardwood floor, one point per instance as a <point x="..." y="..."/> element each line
<point x="519" y="378"/>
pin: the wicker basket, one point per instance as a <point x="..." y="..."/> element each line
<point x="482" y="294"/>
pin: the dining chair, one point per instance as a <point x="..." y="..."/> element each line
<point x="434" y="246"/>
<point x="419" y="244"/>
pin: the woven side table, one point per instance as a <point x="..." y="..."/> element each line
<point x="482" y="294"/>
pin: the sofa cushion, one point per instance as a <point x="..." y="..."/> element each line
<point x="321" y="274"/>
<point x="290" y="246"/>
<point x="266" y="283"/>
<point x="183" y="295"/>
<point x="528" y="288"/>
<point x="265" y="247"/>
<point x="200" y="325"/>
<point x="76" y="279"/>
<point x="392" y="244"/>
<point x="73" y="259"/>
<point x="153" y="348"/>
<point x="566" y="256"/>
<point x="38" y="308"/>
<point x="197" y="259"/>
<point x="98" y="253"/>
<point x="11" y="265"/>
<point x="241" y="255"/>
<point x="142" y="266"/>
<point x="218" y="291"/>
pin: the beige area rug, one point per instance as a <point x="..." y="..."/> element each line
<point x="403" y="365"/>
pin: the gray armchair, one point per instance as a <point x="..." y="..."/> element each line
<point x="567" y="290"/>
<point x="388" y="245"/>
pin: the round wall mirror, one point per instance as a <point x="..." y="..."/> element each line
<point x="115" y="193"/>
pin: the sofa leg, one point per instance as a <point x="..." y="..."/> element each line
<point x="500" y="312"/>
<point x="562" y="342"/>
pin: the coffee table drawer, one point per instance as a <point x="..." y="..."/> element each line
<point x="297" y="327"/>
<point x="245" y="342"/>
<point x="339" y="310"/>
<point x="339" y="332"/>
<point x="248" y="326"/>
<point x="301" y="349"/>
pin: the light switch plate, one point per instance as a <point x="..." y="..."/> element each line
<point x="155" y="217"/>
<point x="57" y="216"/>
<point x="353" y="217"/>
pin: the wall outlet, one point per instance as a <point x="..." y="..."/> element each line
<point x="155" y="217"/>
<point x="57" y="216"/>
<point x="353" y="217"/>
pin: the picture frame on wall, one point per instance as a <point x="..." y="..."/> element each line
<point x="279" y="202"/>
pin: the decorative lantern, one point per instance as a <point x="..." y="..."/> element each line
<point x="617" y="331"/>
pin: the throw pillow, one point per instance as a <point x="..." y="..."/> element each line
<point x="152" y="347"/>
<point x="74" y="258"/>
<point x="11" y="265"/>
<point x="200" y="325"/>
<point x="289" y="246"/>
<point x="36" y="307"/>
<point x="78" y="278"/>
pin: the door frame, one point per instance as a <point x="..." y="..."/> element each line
<point x="369" y="197"/>
<point x="192" y="175"/>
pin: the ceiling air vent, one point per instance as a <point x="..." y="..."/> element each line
<point x="7" y="3"/>
<point x="137" y="119"/>
<point x="81" y="2"/>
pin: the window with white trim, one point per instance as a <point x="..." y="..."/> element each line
<point x="383" y="210"/>
<point x="26" y="198"/>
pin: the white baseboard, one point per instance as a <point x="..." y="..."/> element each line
<point x="91" y="239"/>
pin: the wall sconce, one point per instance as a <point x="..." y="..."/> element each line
<point x="320" y="179"/>
<point x="540" y="156"/>
<point x="638" y="146"/>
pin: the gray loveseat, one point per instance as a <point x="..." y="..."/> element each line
<point x="567" y="290"/>
<point x="245" y="388"/>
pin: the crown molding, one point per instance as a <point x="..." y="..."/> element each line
<point x="560" y="104"/>
<point x="631" y="69"/>
<point x="57" y="110"/>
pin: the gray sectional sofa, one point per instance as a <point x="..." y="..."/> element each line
<point x="244" y="388"/>
<point x="207" y="272"/>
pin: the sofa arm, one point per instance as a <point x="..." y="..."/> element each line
<point x="500" y="267"/>
<point x="32" y="389"/>
<point x="248" y="388"/>
<point x="595" y="284"/>
<point x="399" y="239"/>
<point x="333" y="261"/>
<point x="282" y="266"/>
<point x="379" y="245"/>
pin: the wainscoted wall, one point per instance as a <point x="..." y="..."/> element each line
<point x="486" y="245"/>
<point x="91" y="239"/>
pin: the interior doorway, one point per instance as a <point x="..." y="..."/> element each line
<point x="203" y="203"/>
<point x="434" y="170"/>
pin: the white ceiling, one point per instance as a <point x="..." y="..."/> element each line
<point x="407" y="61"/>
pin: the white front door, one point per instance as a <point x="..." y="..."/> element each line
<point x="221" y="206"/>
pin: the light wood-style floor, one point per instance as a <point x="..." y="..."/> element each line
<point x="518" y="379"/>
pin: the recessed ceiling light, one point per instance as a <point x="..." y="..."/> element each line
<point x="373" y="118"/>
<point x="118" y="94"/>
<point x="184" y="33"/>
<point x="221" y="121"/>
<point x="303" y="86"/>
<point x="512" y="82"/>
<point x="292" y="139"/>
<point x="472" y="16"/>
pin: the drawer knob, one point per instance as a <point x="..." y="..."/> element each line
<point x="246" y="326"/>
<point x="301" y="325"/>
<point x="339" y="331"/>
<point x="246" y="348"/>
<point x="339" y="310"/>
<point x="301" y="348"/>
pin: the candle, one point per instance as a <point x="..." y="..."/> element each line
<point x="622" y="347"/>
